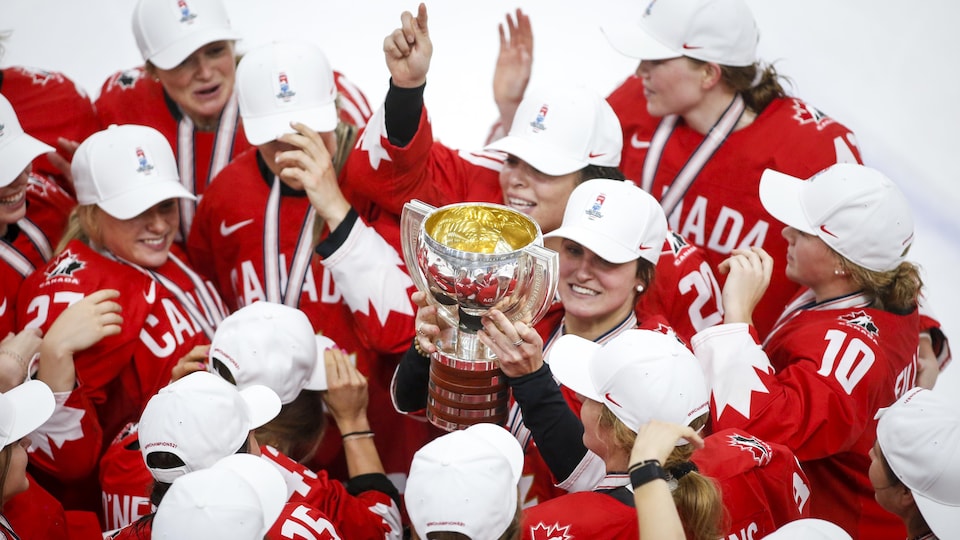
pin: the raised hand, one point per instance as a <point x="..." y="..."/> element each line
<point x="346" y="396"/>
<point x="309" y="164"/>
<point x="514" y="65"/>
<point x="408" y="50"/>
<point x="517" y="345"/>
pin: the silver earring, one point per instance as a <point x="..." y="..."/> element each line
<point x="639" y="288"/>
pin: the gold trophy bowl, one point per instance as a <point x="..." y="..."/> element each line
<point x="469" y="258"/>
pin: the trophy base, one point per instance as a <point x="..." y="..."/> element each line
<point x="465" y="392"/>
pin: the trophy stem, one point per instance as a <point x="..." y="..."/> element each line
<point x="465" y="392"/>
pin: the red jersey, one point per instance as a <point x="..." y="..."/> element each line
<point x="762" y="484"/>
<point x="585" y="514"/>
<point x="166" y="312"/>
<point x="253" y="236"/>
<point x="720" y="210"/>
<point x="125" y="481"/>
<point x="30" y="242"/>
<point x="815" y="387"/>
<point x="49" y="105"/>
<point x="37" y="514"/>
<point x="300" y="521"/>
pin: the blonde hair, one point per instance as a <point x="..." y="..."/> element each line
<point x="83" y="225"/>
<point x="697" y="497"/>
<point x="895" y="290"/>
<point x="298" y="429"/>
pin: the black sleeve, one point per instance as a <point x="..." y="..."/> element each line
<point x="411" y="381"/>
<point x="401" y="113"/>
<point x="337" y="237"/>
<point x="373" y="482"/>
<point x="554" y="426"/>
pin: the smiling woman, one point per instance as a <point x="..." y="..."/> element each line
<point x="120" y="236"/>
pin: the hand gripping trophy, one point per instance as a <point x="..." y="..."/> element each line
<point x="469" y="258"/>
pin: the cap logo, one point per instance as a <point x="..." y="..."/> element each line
<point x="760" y="450"/>
<point x="595" y="209"/>
<point x="285" y="92"/>
<point x="646" y="12"/>
<point x="537" y="123"/>
<point x="186" y="16"/>
<point x="611" y="400"/>
<point x="143" y="164"/>
<point x="823" y="229"/>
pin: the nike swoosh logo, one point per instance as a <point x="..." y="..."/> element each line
<point x="637" y="143"/>
<point x="643" y="247"/>
<point x="227" y="231"/>
<point x="592" y="155"/>
<point x="691" y="47"/>
<point x="151" y="295"/>
<point x="824" y="229"/>
<point x="611" y="400"/>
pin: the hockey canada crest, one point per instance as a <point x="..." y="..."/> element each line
<point x="808" y="114"/>
<point x="64" y="266"/>
<point x="861" y="321"/>
<point x="761" y="451"/>
<point x="550" y="532"/>
<point x="596" y="208"/>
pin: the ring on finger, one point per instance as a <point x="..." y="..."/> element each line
<point x="518" y="342"/>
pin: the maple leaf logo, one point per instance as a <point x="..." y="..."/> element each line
<point x="739" y="381"/>
<point x="761" y="451"/>
<point x="550" y="532"/>
<point x="62" y="427"/>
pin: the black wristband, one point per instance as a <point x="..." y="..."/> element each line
<point x="645" y="472"/>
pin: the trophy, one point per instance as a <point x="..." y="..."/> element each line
<point x="469" y="258"/>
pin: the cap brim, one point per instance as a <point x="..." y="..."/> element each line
<point x="17" y="154"/>
<point x="570" y="359"/>
<point x="943" y="519"/>
<point x="33" y="403"/>
<point x="780" y="195"/>
<point x="266" y="480"/>
<point x="540" y="156"/>
<point x="631" y="40"/>
<point x="605" y="248"/>
<point x="177" y="52"/>
<point x="263" y="129"/>
<point x="318" y="379"/>
<point x="132" y="203"/>
<point x="262" y="402"/>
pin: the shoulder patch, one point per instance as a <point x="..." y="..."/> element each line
<point x="804" y="114"/>
<point x="41" y="76"/>
<point x="556" y="531"/>
<point x="125" y="79"/>
<point x="761" y="451"/>
<point x="64" y="267"/>
<point x="862" y="322"/>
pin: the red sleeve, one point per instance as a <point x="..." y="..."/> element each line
<point x="68" y="445"/>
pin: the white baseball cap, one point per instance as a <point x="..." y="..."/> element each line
<point x="614" y="219"/>
<point x="919" y="436"/>
<point x="273" y="345"/>
<point x="283" y="82"/>
<point x="125" y="170"/>
<point x="719" y="31"/>
<point x="809" y="529"/>
<point x="23" y="409"/>
<point x="640" y="375"/>
<point x="465" y="482"/>
<point x="17" y="149"/>
<point x="201" y="418"/>
<point x="563" y="131"/>
<point x="168" y="31"/>
<point x="238" y="497"/>
<point x="854" y="209"/>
